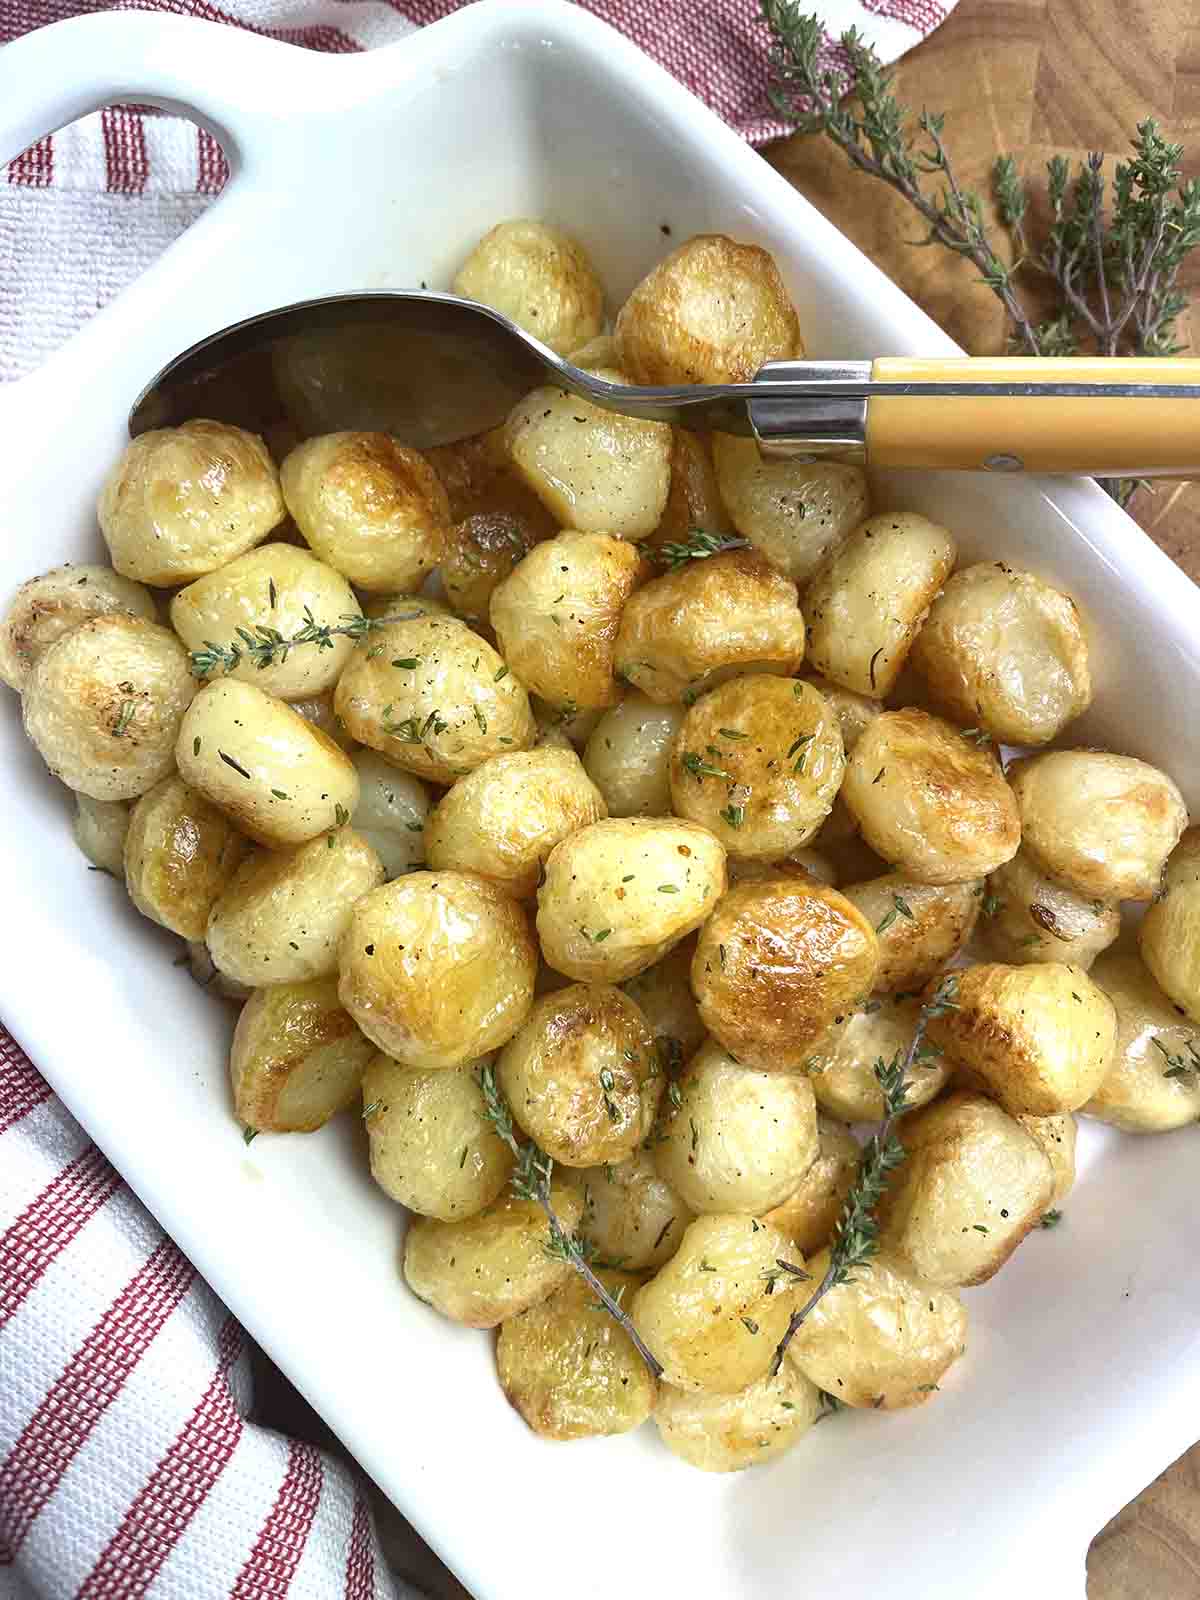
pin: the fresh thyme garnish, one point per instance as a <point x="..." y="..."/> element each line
<point x="698" y="547"/>
<point x="264" y="645"/>
<point x="733" y="815"/>
<point x="249" y="1135"/>
<point x="607" y="1085"/>
<point x="124" y="718"/>
<point x="800" y="743"/>
<point x="991" y="904"/>
<point x="979" y="736"/>
<point x="370" y="1110"/>
<point x="1179" y="1065"/>
<point x="732" y="733"/>
<point x="900" y="908"/>
<point x="1050" y="1219"/>
<point x="230" y="762"/>
<point x="701" y="769"/>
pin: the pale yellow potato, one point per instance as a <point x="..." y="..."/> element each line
<point x="434" y="699"/>
<point x="618" y="894"/>
<point x="483" y="1269"/>
<point x="275" y="775"/>
<point x="795" y="512"/>
<point x="1041" y="1037"/>
<point x="391" y="813"/>
<point x="694" y="500"/>
<point x="99" y="827"/>
<point x="183" y="501"/>
<point x="1055" y="1137"/>
<point x="1004" y="651"/>
<point x="369" y="506"/>
<point x="735" y="1139"/>
<point x="297" y="1059"/>
<point x="275" y="587"/>
<point x="842" y="1064"/>
<point x="777" y="965"/>
<point x="432" y="1146"/>
<point x="713" y="311"/>
<point x="728" y="1432"/>
<point x="664" y="993"/>
<point x="565" y="727"/>
<point x="929" y="801"/>
<point x="630" y="1213"/>
<point x="318" y="710"/>
<point x="855" y="712"/>
<point x="758" y="761"/>
<point x="715" y="1312"/>
<point x="556" y="617"/>
<point x="1029" y="917"/>
<point x="809" y="1214"/>
<point x="483" y="550"/>
<point x="628" y="756"/>
<point x="1101" y="824"/>
<point x="974" y="1182"/>
<point x="180" y="854"/>
<point x="540" y="278"/>
<point x="203" y="970"/>
<point x="866" y="605"/>
<point x="593" y="470"/>
<point x="1153" y="1084"/>
<point x="708" y="621"/>
<point x="885" y="1339"/>
<point x="920" y="926"/>
<point x="438" y="967"/>
<point x="502" y="820"/>
<point x="1169" y="933"/>
<point x="103" y="705"/>
<point x="567" y="1367"/>
<point x="46" y="607"/>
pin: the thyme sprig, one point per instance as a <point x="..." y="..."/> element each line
<point x="1179" y="1065"/>
<point x="264" y="646"/>
<point x="698" y="546"/>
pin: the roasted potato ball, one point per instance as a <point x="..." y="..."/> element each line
<point x="556" y="617"/>
<point x="432" y="1146"/>
<point x="540" y="278"/>
<point x="776" y="965"/>
<point x="46" y="607"/>
<point x="630" y="1213"/>
<point x="1153" y="1084"/>
<point x="758" y="761"/>
<point x="103" y="705"/>
<point x="180" y="853"/>
<point x="727" y="1432"/>
<point x="694" y="500"/>
<point x="664" y="994"/>
<point x="1168" y="933"/>
<point x="809" y="1214"/>
<point x="1055" y="1137"/>
<point x="973" y="1184"/>
<point x="1031" y="918"/>
<point x="1099" y="823"/>
<point x="795" y="512"/>
<point x="628" y="756"/>
<point x="502" y="820"/>
<point x="735" y="1139"/>
<point x="930" y="801"/>
<point x="1003" y="651"/>
<point x="567" y="1367"/>
<point x="100" y="827"/>
<point x="297" y="1058"/>
<point x="483" y="550"/>
<point x="279" y="587"/>
<point x="618" y="894"/>
<point x="842" y="1064"/>
<point x="279" y="778"/>
<point x="391" y="813"/>
<point x="920" y="926"/>
<point x="713" y="311"/>
<point x="438" y="967"/>
<point x="854" y="712"/>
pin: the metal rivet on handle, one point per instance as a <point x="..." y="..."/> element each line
<point x="1004" y="464"/>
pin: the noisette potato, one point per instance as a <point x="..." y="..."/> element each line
<point x="438" y="967"/>
<point x="705" y="622"/>
<point x="630" y="1213"/>
<point x="483" y="550"/>
<point x="100" y="827"/>
<point x="539" y="277"/>
<point x="726" y="1432"/>
<point x="103" y="705"/>
<point x="795" y="512"/>
<point x="1055" y="1137"/>
<point x="1101" y="824"/>
<point x="664" y="994"/>
<point x="713" y="311"/>
<point x="810" y="1213"/>
<point x="1006" y="652"/>
<point x="842" y="1064"/>
<point x="432" y="1146"/>
<point x="777" y="965"/>
<point x="46" y="607"/>
<point x="803" y="863"/>
<point x="929" y="801"/>
<point x="920" y="926"/>
<point x="391" y="813"/>
<point x="694" y="500"/>
<point x="628" y="756"/>
<point x="1153" y="1084"/>
<point x="854" y="712"/>
<point x="502" y="820"/>
<point x="180" y="853"/>
<point x="297" y="1058"/>
<point x="1169" y="933"/>
<point x="618" y="894"/>
<point x="1031" y="918"/>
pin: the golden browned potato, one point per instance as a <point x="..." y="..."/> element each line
<point x="46" y="607"/>
<point x="716" y="1311"/>
<point x="866" y="605"/>
<point x="795" y="512"/>
<point x="183" y="501"/>
<point x="630" y="1213"/>
<point x="694" y="500"/>
<point x="664" y="994"/>
<point x="471" y="471"/>
<point x="758" y="761"/>
<point x="1003" y="651"/>
<point x="483" y="550"/>
<point x="1169" y="933"/>
<point x="930" y="801"/>
<point x="556" y="617"/>
<point x="438" y="967"/>
<point x="432" y="1146"/>
<point x="100" y="827"/>
<point x="483" y="1269"/>
<point x="567" y="1367"/>
<point x="319" y="711"/>
<point x="777" y="965"/>
<point x="809" y="1214"/>
<point x="885" y="1339"/>
<point x="628" y="756"/>
<point x="1055" y="1136"/>
<point x="1041" y="1037"/>
<point x="436" y="700"/>
<point x="854" y="712"/>
<point x="708" y="621"/>
<point x="842" y="1064"/>
<point x="502" y="820"/>
<point x="277" y="776"/>
<point x="920" y="926"/>
<point x="204" y="971"/>
<point x="391" y="813"/>
<point x="618" y="894"/>
<point x="540" y="278"/>
<point x="713" y="311"/>
<point x="727" y="1432"/>
<point x="1153" y="1084"/>
<point x="1099" y="823"/>
<point x="297" y="1058"/>
<point x="973" y="1184"/>
<point x="735" y="1139"/>
<point x="180" y="853"/>
<point x="1028" y="917"/>
<point x="103" y="705"/>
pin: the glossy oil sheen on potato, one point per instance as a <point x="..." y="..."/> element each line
<point x="46" y="607"/>
<point x="920" y="926"/>
<point x="630" y="1212"/>
<point x="728" y="1432"/>
<point x="179" y="855"/>
<point x="1153" y="1083"/>
<point x="1169" y="933"/>
<point x="1032" y="918"/>
<point x="628" y="756"/>
<point x="795" y="513"/>
<point x="539" y="277"/>
<point x="297" y="1058"/>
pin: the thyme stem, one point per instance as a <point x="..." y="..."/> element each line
<point x="264" y="645"/>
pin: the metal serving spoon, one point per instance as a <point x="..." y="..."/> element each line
<point x="431" y="368"/>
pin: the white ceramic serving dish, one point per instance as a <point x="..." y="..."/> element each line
<point x="1082" y="1377"/>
